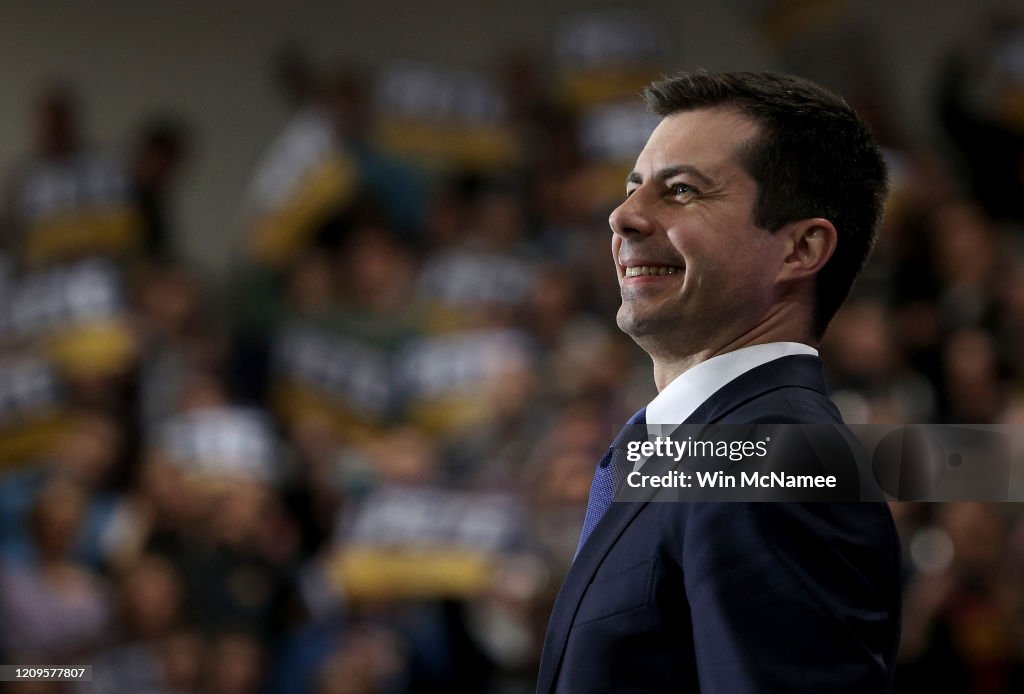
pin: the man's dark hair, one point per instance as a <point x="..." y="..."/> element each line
<point x="813" y="157"/>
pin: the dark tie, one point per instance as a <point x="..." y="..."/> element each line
<point x="611" y="472"/>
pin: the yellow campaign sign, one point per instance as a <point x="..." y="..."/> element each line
<point x="295" y="402"/>
<point x="445" y="116"/>
<point x="608" y="55"/>
<point x="102" y="347"/>
<point x="476" y="147"/>
<point x="375" y="573"/>
<point x="25" y="440"/>
<point x="454" y="412"/>
<point x="107" y="230"/>
<point x="584" y="88"/>
<point x="279" y="234"/>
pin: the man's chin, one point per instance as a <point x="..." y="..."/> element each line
<point x="654" y="330"/>
<point x="634" y="324"/>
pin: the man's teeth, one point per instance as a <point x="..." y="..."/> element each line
<point x="651" y="270"/>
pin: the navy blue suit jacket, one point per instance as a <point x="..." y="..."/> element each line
<point x="733" y="597"/>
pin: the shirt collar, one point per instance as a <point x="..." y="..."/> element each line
<point x="691" y="388"/>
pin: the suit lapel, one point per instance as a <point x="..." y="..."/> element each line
<point x="801" y="371"/>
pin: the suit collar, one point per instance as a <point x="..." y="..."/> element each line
<point x="680" y="398"/>
<point x="796" y="371"/>
<point x="799" y="371"/>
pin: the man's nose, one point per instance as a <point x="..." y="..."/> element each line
<point x="631" y="218"/>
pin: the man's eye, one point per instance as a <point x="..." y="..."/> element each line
<point x="681" y="189"/>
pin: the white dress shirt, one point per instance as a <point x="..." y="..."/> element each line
<point x="691" y="388"/>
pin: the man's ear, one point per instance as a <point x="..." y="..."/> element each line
<point x="811" y="242"/>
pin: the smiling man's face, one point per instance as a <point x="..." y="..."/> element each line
<point x="694" y="270"/>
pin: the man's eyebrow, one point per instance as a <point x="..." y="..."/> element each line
<point x="671" y="171"/>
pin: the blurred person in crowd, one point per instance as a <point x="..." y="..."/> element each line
<point x="235" y="664"/>
<point x="909" y="517"/>
<point x="88" y="452"/>
<point x="979" y="95"/>
<point x="563" y="209"/>
<point x="311" y="290"/>
<point x="181" y="339"/>
<point x="486" y="276"/>
<point x="94" y="451"/>
<point x="352" y="298"/>
<point x="973" y="391"/>
<point x="559" y="473"/>
<point x="865" y="365"/>
<point x="392" y="185"/>
<point x="152" y="597"/>
<point x="203" y="390"/>
<point x="230" y="557"/>
<point x="332" y="338"/>
<point x="521" y="78"/>
<point x="155" y="650"/>
<point x="370" y="660"/>
<point x="451" y="382"/>
<point x="1013" y="413"/>
<point x="593" y="362"/>
<point x="396" y="458"/>
<point x="294" y="74"/>
<point x="405" y="456"/>
<point x="489" y="455"/>
<point x="447" y="214"/>
<point x="169" y="501"/>
<point x="66" y="200"/>
<point x="586" y="361"/>
<point x="53" y="606"/>
<point x="860" y="346"/>
<point x="407" y="560"/>
<point x="748" y="215"/>
<point x="182" y="655"/>
<point x="468" y="374"/>
<point x="922" y="184"/>
<point x="553" y="305"/>
<point x="301" y="189"/>
<point x="57" y="133"/>
<point x="374" y="273"/>
<point x="159" y="154"/>
<point x="322" y="171"/>
<point x="965" y="254"/>
<point x="315" y="494"/>
<point x="1009" y="330"/>
<point x="208" y="500"/>
<point x="961" y="605"/>
<point x="306" y="292"/>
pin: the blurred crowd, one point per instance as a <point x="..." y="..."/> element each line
<point x="361" y="464"/>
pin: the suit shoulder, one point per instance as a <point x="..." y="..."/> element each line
<point x="786" y="405"/>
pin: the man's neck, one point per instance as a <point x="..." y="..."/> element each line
<point x="669" y="367"/>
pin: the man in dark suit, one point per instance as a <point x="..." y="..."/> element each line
<point x="747" y="218"/>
